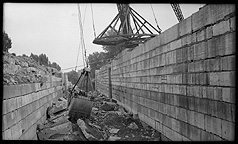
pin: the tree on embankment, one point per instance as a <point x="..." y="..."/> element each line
<point x="7" y="42"/>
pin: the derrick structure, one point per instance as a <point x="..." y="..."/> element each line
<point x="127" y="29"/>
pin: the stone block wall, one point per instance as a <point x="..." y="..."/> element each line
<point x="182" y="82"/>
<point x="102" y="82"/>
<point x="24" y="106"/>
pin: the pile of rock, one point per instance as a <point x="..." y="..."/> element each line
<point x="23" y="69"/>
<point x="108" y="121"/>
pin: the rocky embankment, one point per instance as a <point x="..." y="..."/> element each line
<point x="23" y="69"/>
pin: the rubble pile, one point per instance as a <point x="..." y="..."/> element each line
<point x="23" y="69"/>
<point x="108" y="122"/>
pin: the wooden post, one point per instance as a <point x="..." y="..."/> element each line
<point x="96" y="80"/>
<point x="87" y="88"/>
<point x="62" y="79"/>
<point x="66" y="84"/>
<point x="110" y="83"/>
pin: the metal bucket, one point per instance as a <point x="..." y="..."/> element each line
<point x="79" y="107"/>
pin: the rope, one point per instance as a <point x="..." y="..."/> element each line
<point x="94" y="31"/>
<point x="155" y="17"/>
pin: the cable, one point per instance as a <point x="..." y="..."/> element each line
<point x="85" y="11"/>
<point x="155" y="17"/>
<point x="79" y="43"/>
<point x="85" y="56"/>
<point x="81" y="34"/>
<point x="93" y="22"/>
<point x="103" y="60"/>
<point x="77" y="57"/>
<point x="72" y="67"/>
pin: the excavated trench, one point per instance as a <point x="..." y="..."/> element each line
<point x="107" y="122"/>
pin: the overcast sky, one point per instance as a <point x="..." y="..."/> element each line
<point x="53" y="29"/>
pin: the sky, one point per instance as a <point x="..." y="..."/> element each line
<point x="53" y="28"/>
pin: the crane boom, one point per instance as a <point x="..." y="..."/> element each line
<point x="178" y="12"/>
<point x="123" y="9"/>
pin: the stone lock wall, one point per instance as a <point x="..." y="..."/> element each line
<point x="182" y="82"/>
<point x="24" y="106"/>
<point x="102" y="81"/>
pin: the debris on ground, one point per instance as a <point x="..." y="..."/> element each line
<point x="133" y="126"/>
<point x="107" y="122"/>
<point x="107" y="107"/>
<point x="113" y="138"/>
<point x="114" y="130"/>
<point x="56" y="107"/>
